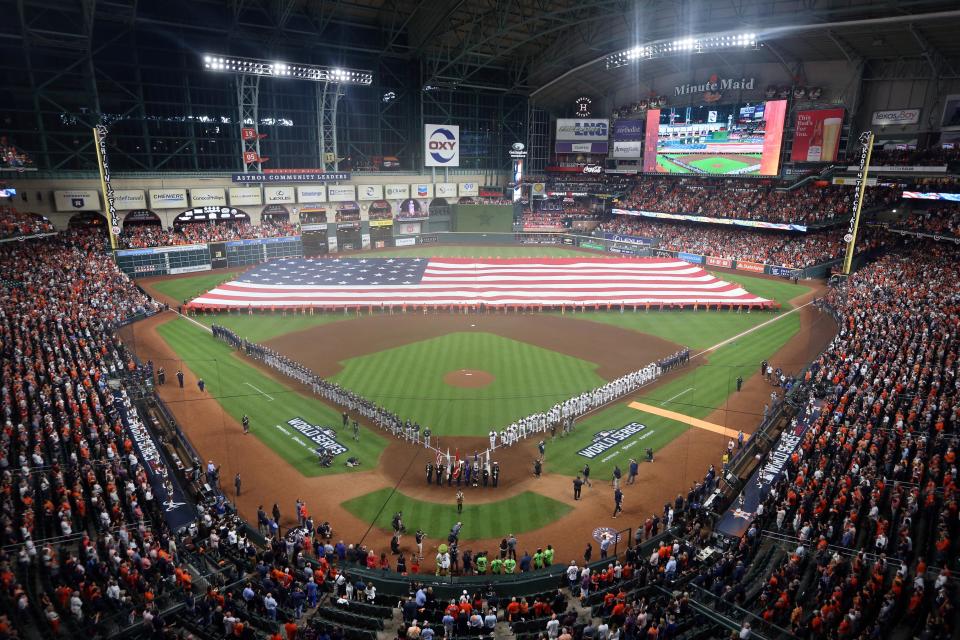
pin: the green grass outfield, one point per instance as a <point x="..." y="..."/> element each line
<point x="521" y="513"/>
<point x="703" y="329"/>
<point x="696" y="394"/>
<point x="241" y="388"/>
<point x="409" y="381"/>
<point x="191" y="286"/>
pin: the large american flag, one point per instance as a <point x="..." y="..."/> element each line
<point x="553" y="282"/>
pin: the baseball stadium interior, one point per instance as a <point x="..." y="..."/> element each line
<point x="446" y="319"/>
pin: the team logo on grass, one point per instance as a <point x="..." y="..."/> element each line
<point x="322" y="436"/>
<point x="605" y="440"/>
<point x="606" y="533"/>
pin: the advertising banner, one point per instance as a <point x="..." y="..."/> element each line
<point x="278" y="194"/>
<point x="441" y="145"/>
<point x="245" y="196"/>
<point x="851" y="181"/>
<point x="895" y="116"/>
<point x="407" y="228"/>
<point x="753" y="267"/>
<point x="469" y="189"/>
<point x="168" y="198"/>
<point x="894" y="168"/>
<point x="631" y="149"/>
<point x="178" y="511"/>
<point x="713" y="261"/>
<point x="422" y="190"/>
<point x="753" y="224"/>
<point x="304" y="175"/>
<point x="341" y="193"/>
<point x="77" y="200"/>
<point x="582" y="147"/>
<point x="382" y="223"/>
<point x="783" y="272"/>
<point x="538" y="190"/>
<point x="312" y="194"/>
<point x="445" y="189"/>
<point x="616" y="237"/>
<point x="742" y="512"/>
<point x="918" y="195"/>
<point x="370" y="192"/>
<point x="690" y="257"/>
<point x="583" y="129"/>
<point x="629" y="130"/>
<point x="208" y="198"/>
<point x="816" y="137"/>
<point x="125" y="199"/>
<point x="405" y="242"/>
<point x="397" y="191"/>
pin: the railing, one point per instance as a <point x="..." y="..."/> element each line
<point x="727" y="614"/>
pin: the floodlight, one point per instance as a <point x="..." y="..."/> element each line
<point x="314" y="73"/>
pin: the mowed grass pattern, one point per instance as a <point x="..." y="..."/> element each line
<point x="697" y="394"/>
<point x="703" y="329"/>
<point x="409" y="381"/>
<point x="240" y="388"/>
<point x="527" y="511"/>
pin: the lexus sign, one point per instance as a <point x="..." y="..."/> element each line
<point x="441" y="145"/>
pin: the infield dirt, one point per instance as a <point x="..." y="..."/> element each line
<point x="267" y="478"/>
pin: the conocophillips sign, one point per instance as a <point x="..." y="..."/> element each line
<point x="441" y="145"/>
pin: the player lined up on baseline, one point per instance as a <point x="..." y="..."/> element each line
<point x="561" y="413"/>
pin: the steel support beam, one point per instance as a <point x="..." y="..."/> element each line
<point x="328" y="99"/>
<point x="248" y="100"/>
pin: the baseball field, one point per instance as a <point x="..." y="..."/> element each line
<point x="464" y="375"/>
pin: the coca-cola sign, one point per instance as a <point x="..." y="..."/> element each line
<point x="593" y="168"/>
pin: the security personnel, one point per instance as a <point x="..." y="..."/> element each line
<point x="429" y="473"/>
<point x="739" y="382"/>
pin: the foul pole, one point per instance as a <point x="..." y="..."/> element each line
<point x="109" y="206"/>
<point x="866" y="149"/>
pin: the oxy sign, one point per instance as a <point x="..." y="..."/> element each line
<point x="441" y="145"/>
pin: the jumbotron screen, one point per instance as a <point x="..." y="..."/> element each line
<point x="726" y="140"/>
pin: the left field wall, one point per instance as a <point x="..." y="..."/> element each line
<point x="40" y="193"/>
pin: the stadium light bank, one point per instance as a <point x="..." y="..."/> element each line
<point x="664" y="48"/>
<point x="314" y="73"/>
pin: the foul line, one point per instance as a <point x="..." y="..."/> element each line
<point x="685" y="419"/>
<point x="676" y="396"/>
<point x="751" y="330"/>
<point x="258" y="390"/>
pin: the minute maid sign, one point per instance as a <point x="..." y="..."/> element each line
<point x="323" y="437"/>
<point x="606" y="440"/>
<point x="715" y="85"/>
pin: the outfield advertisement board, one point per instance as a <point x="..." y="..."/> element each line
<point x="690" y="257"/>
<point x="753" y="267"/>
<point x="441" y="145"/>
<point x="714" y="261"/>
<point x="77" y="200"/>
<point x="753" y="224"/>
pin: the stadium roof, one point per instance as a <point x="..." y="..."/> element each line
<point x="511" y="45"/>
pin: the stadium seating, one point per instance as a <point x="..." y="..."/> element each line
<point x="747" y="199"/>
<point x="141" y="236"/>
<point x="14" y="223"/>
<point x="12" y="157"/>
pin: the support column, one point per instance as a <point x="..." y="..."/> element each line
<point x="248" y="99"/>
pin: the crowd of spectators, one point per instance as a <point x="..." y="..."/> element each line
<point x="11" y="157"/>
<point x="14" y="223"/>
<point x="767" y="247"/>
<point x="140" y="236"/>
<point x="936" y="156"/>
<point x="747" y="199"/>
<point x="941" y="220"/>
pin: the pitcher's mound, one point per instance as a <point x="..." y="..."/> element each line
<point x="469" y="378"/>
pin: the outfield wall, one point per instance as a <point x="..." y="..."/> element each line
<point x="154" y="261"/>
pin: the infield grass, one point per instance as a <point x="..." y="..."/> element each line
<point x="410" y="381"/>
<point x="240" y="388"/>
<point x="524" y="512"/>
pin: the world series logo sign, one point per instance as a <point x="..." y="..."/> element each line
<point x="441" y="145"/>
<point x="321" y="436"/>
<point x="606" y="440"/>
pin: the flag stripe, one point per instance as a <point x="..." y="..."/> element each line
<point x="380" y="282"/>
